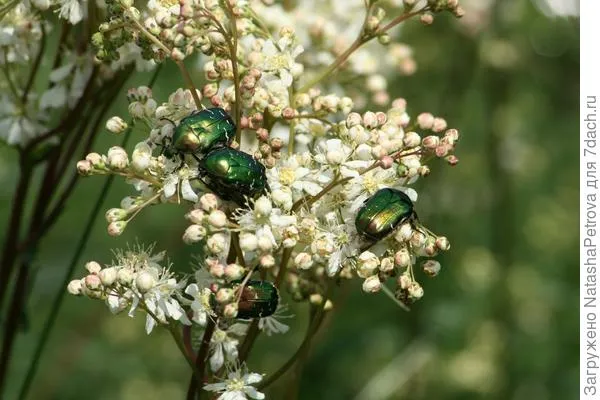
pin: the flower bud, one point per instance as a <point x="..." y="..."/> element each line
<point x="353" y="119"/>
<point x="230" y="310"/>
<point x="417" y="239"/>
<point x="248" y="241"/>
<point x="328" y="305"/>
<point x="216" y="243"/>
<point x="217" y="218"/>
<point x="427" y="18"/>
<point x="404" y="281"/>
<point x="196" y="216"/>
<point x="224" y="295"/>
<point x="108" y="276"/>
<point x="404" y="233"/>
<point x="412" y="139"/>
<point x="84" y="167"/>
<point x="209" y="201"/>
<point x="144" y="281"/>
<point x="141" y="157"/>
<point x="92" y="282"/>
<point x="370" y="120"/>
<point x="136" y="109"/>
<point x="372" y="284"/>
<point x="41" y="5"/>
<point x="452" y="160"/>
<point x="425" y="120"/>
<point x="439" y="125"/>
<point x="75" y="287"/>
<point x="415" y="291"/>
<point x="442" y="243"/>
<point x="95" y="159"/>
<point x="216" y="269"/>
<point x="124" y="276"/>
<point x="267" y="261"/>
<point x="402" y="258"/>
<point x="386" y="162"/>
<point x="194" y="233"/>
<point x="117" y="158"/>
<point x="115" y="214"/>
<point x="431" y="267"/>
<point x="367" y="264"/>
<point x="387" y="264"/>
<point x="116" y="228"/>
<point x="234" y="272"/>
<point x="264" y="243"/>
<point x="303" y="261"/>
<point x="116" y="125"/>
<point x="93" y="267"/>
<point x="431" y="142"/>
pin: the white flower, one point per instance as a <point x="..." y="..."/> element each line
<point x="290" y="173"/>
<point x="223" y="346"/>
<point x="72" y="10"/>
<point x="237" y="387"/>
<point x="16" y="125"/>
<point x="201" y="304"/>
<point x="180" y="178"/>
<point x="270" y="325"/>
<point x="279" y="62"/>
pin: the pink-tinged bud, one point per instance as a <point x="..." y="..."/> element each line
<point x="84" y="167"/>
<point x="303" y="261"/>
<point x="217" y="270"/>
<point x="430" y="248"/>
<point x="230" y="310"/>
<point x="108" y="276"/>
<point x="372" y="284"/>
<point x="439" y="125"/>
<point x="92" y="282"/>
<point x="402" y="258"/>
<point x="381" y="98"/>
<point x="452" y="160"/>
<point x="276" y="144"/>
<point x="442" y="243"/>
<point x="386" y="162"/>
<point x="381" y="118"/>
<point x="213" y="287"/>
<point x="267" y="261"/>
<point x="209" y="202"/>
<point x="116" y="228"/>
<point x="75" y="287"/>
<point x="115" y="214"/>
<point x="210" y="89"/>
<point x="425" y="120"/>
<point x="234" y="272"/>
<point x="262" y="134"/>
<point x="288" y="113"/>
<point x="404" y="281"/>
<point x="196" y="216"/>
<point x="417" y="239"/>
<point x="400" y="104"/>
<point x="216" y="101"/>
<point x="431" y="142"/>
<point x="224" y="295"/>
<point x="370" y="120"/>
<point x="427" y="19"/>
<point x="93" y="267"/>
<point x="431" y="267"/>
<point x="442" y="150"/>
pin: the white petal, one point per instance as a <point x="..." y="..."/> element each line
<point x="192" y="290"/>
<point x="252" y="378"/>
<point x="311" y="188"/>
<point x="217" y="359"/>
<point x="150" y="322"/>
<point x="187" y="192"/>
<point x="253" y="393"/>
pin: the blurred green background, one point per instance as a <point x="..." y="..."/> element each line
<point x="500" y="321"/>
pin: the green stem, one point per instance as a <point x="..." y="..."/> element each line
<point x="233" y="45"/>
<point x="200" y="366"/>
<point x="360" y="40"/>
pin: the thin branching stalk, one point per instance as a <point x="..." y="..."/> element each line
<point x="233" y="45"/>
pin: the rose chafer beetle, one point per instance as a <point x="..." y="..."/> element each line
<point x="258" y="299"/>
<point x="232" y="174"/>
<point x="381" y="213"/>
<point x="202" y="131"/>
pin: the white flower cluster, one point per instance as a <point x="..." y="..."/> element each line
<point x="303" y="137"/>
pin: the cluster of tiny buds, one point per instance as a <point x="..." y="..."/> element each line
<point x="441" y="147"/>
<point x="269" y="149"/>
<point x="115" y="160"/>
<point x="436" y="6"/>
<point x="99" y="281"/>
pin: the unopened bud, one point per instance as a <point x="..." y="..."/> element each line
<point x="234" y="272"/>
<point x="117" y="158"/>
<point x="116" y="125"/>
<point x="224" y="295"/>
<point x="217" y="219"/>
<point x="93" y="267"/>
<point x="209" y="201"/>
<point x="144" y="281"/>
<point x="230" y="310"/>
<point x="75" y="287"/>
<point x="108" y="276"/>
<point x="431" y="267"/>
<point x="372" y="284"/>
<point x="194" y="233"/>
<point x="115" y="214"/>
<point x="116" y="228"/>
<point x="92" y="282"/>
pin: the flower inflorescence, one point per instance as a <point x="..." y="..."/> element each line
<point x="323" y="186"/>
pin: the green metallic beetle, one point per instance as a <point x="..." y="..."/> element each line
<point x="259" y="299"/>
<point x="202" y="131"/>
<point x="381" y="213"/>
<point x="232" y="174"/>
